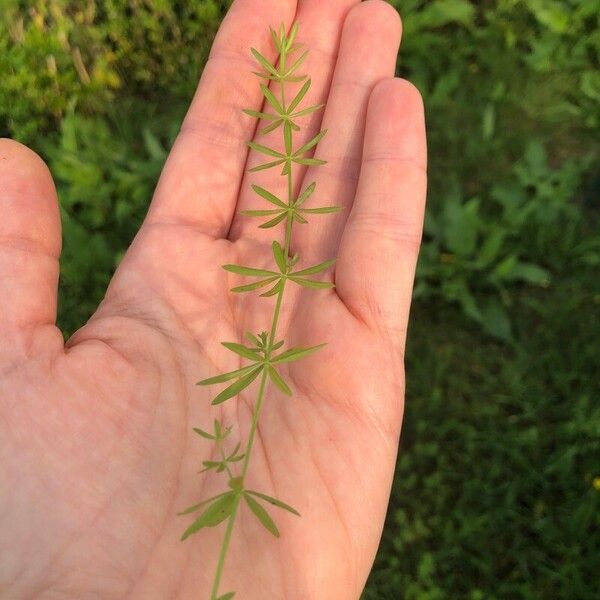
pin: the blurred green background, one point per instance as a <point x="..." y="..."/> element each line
<point x="497" y="488"/>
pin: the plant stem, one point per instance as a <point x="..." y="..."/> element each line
<point x="261" y="391"/>
<point x="289" y="221"/>
<point x="224" y="547"/>
<point x="255" y="415"/>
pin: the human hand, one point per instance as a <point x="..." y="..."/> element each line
<point x="97" y="452"/>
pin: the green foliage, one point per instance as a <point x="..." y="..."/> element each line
<point x="494" y="495"/>
<point x="60" y="54"/>
<point x="480" y="251"/>
<point x="500" y="214"/>
<point x="261" y="514"/>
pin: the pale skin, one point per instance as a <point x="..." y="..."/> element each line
<point x="97" y="452"/>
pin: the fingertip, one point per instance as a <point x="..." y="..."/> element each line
<point x="30" y="244"/>
<point x="28" y="199"/>
<point x="378" y="12"/>
<point x="379" y="17"/>
<point x="15" y="155"/>
<point x="397" y="94"/>
<point x="396" y="119"/>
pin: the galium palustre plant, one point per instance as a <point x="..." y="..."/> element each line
<point x="262" y="351"/>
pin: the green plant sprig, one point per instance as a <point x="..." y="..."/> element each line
<point x="263" y="353"/>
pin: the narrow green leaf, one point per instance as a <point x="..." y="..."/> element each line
<point x="260" y="213"/>
<point x="305" y="194"/>
<point x="287" y="137"/>
<point x="279" y="256"/>
<point x="212" y="464"/>
<point x="274" y="290"/>
<point x="216" y="513"/>
<point x="309" y="161"/>
<point x="251" y="271"/>
<point x="260" y="115"/>
<point x="204" y="434"/>
<point x="307" y="111"/>
<point x="269" y="197"/>
<point x="296" y="79"/>
<point x="299" y="96"/>
<point x="263" y="75"/>
<point x="316" y="269"/>
<point x="261" y="514"/>
<point x="253" y="339"/>
<point x="268" y="165"/>
<point x="218" y="431"/>
<point x="297" y="64"/>
<point x="235" y="388"/>
<point x="277" y="346"/>
<point x="291" y="38"/>
<point x="274" y="501"/>
<point x="227" y="596"/>
<point x="250" y="287"/>
<point x="271" y="99"/>
<point x="286" y="168"/>
<point x="309" y="283"/>
<point x="266" y="65"/>
<point x="225" y="377"/>
<point x="278" y="380"/>
<point x="298" y="217"/>
<point x="272" y="127"/>
<point x="236" y="458"/>
<point x="242" y="351"/>
<point x="274" y="221"/>
<point x="312" y="143"/>
<point x="198" y="506"/>
<point x="295" y="354"/>
<point x="321" y="210"/>
<point x="277" y="46"/>
<point x="234" y="451"/>
<point x="265" y="149"/>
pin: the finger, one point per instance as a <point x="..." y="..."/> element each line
<point x="200" y="182"/>
<point x="320" y="26"/>
<point x="368" y="52"/>
<point x="30" y="242"/>
<point x="380" y="244"/>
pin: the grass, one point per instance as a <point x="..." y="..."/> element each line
<point x="495" y="493"/>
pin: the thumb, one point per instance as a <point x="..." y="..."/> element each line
<point x="30" y="242"/>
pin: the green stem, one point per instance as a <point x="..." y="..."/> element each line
<point x="289" y="221"/>
<point x="253" y="428"/>
<point x="225" y="546"/>
<point x="231" y="519"/>
<point x="255" y="415"/>
<point x="286" y="252"/>
<point x="261" y="391"/>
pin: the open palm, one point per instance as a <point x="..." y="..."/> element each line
<point x="97" y="453"/>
